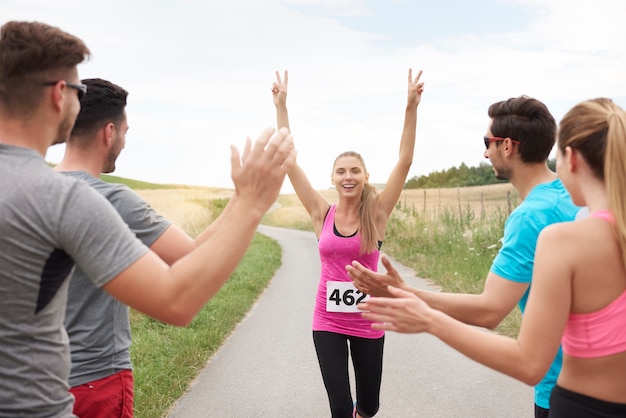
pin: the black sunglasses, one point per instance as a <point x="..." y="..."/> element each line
<point x="490" y="139"/>
<point x="81" y="89"/>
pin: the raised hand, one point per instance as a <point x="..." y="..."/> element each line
<point x="279" y="89"/>
<point x="259" y="174"/>
<point x="373" y="283"/>
<point x="415" y="88"/>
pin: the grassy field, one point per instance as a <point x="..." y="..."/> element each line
<point x="167" y="358"/>
<point x="448" y="236"/>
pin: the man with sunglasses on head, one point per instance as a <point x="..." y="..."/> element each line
<point x="519" y="139"/>
<point x="50" y="222"/>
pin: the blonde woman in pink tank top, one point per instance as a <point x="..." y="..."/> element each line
<point x="353" y="228"/>
<point x="578" y="292"/>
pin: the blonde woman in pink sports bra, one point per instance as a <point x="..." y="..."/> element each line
<point x="353" y="228"/>
<point x="578" y="292"/>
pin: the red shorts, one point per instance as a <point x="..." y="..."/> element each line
<point x="111" y="397"/>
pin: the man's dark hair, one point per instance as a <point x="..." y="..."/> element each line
<point x="104" y="103"/>
<point x="32" y="53"/>
<point x="528" y="121"/>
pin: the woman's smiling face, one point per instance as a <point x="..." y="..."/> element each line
<point x="349" y="175"/>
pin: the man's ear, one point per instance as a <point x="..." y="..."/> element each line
<point x="109" y="132"/>
<point x="508" y="147"/>
<point x="56" y="96"/>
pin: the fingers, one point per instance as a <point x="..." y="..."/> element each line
<point x="290" y="160"/>
<point x="262" y="141"/>
<point x="391" y="271"/>
<point x="235" y="160"/>
<point x="246" y="149"/>
<point x="399" y="293"/>
<point x="359" y="267"/>
<point x="417" y="78"/>
<point x="280" y="149"/>
<point x="278" y="82"/>
<point x="387" y="264"/>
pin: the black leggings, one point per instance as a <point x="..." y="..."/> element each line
<point x="367" y="359"/>
<point x="567" y="404"/>
<point x="541" y="412"/>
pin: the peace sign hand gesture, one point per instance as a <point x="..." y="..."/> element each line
<point x="416" y="88"/>
<point x="279" y="89"/>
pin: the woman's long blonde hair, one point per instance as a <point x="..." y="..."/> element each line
<point x="597" y="129"/>
<point x="367" y="228"/>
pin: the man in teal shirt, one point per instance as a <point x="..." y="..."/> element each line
<point x="519" y="139"/>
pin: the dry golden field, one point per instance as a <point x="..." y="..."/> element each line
<point x="481" y="200"/>
<point x="186" y="207"/>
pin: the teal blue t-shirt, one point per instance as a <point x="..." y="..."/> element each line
<point x="547" y="203"/>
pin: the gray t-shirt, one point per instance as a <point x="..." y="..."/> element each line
<point x="48" y="221"/>
<point x="97" y="324"/>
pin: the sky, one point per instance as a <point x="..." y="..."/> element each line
<point x="199" y="74"/>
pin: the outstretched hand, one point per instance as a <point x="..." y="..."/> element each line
<point x="403" y="312"/>
<point x="279" y="89"/>
<point x="416" y="88"/>
<point x="374" y="283"/>
<point x="259" y="172"/>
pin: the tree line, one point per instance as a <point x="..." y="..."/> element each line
<point x="461" y="176"/>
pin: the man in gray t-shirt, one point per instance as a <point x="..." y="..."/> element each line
<point x="49" y="221"/>
<point x="97" y="324"/>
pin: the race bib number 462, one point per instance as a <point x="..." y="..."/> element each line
<point x="343" y="297"/>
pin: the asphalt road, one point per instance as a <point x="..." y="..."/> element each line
<point x="268" y="367"/>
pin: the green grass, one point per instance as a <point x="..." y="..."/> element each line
<point x="167" y="358"/>
<point x="137" y="184"/>
<point x="453" y="251"/>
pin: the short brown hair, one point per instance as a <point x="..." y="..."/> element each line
<point x="31" y="52"/>
<point x="528" y="121"/>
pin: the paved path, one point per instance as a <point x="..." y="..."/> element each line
<point x="268" y="368"/>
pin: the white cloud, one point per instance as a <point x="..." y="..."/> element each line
<point x="199" y="74"/>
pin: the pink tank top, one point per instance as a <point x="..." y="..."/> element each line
<point x="600" y="333"/>
<point x="335" y="290"/>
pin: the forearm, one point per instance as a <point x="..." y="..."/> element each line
<point x="282" y="117"/>
<point x="196" y="278"/>
<point x="395" y="183"/>
<point x="175" y="294"/>
<point x="407" y="141"/>
<point x="217" y="223"/>
<point x="498" y="352"/>
<point x="468" y="308"/>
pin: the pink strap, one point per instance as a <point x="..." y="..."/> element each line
<point x="604" y="214"/>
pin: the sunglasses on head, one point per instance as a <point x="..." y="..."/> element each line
<point x="81" y="89"/>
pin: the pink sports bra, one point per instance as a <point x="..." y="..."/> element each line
<point x="600" y="333"/>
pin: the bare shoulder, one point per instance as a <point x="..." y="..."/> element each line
<point x="559" y="231"/>
<point x="589" y="235"/>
